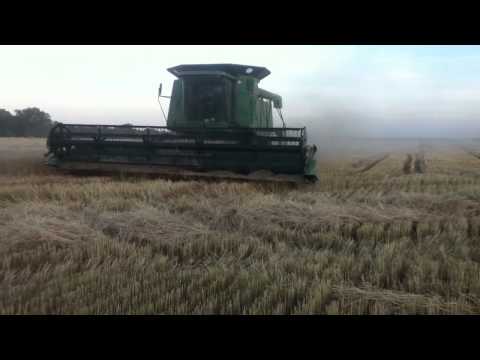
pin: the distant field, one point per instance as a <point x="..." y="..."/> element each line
<point x="393" y="227"/>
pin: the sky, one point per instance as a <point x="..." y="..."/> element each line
<point x="420" y="91"/>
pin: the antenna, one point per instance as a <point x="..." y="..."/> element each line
<point x="158" y="98"/>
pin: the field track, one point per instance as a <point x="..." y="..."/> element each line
<point x="370" y="164"/>
<point x="392" y="227"/>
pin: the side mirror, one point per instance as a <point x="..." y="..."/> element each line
<point x="160" y="90"/>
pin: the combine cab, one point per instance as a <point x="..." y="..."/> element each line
<point x="219" y="125"/>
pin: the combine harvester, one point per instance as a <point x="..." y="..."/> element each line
<point x="219" y="125"/>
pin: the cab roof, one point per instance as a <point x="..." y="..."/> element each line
<point x="230" y="69"/>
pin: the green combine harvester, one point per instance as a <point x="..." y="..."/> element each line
<point x="219" y="125"/>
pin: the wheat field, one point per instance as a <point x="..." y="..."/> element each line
<point x="392" y="227"/>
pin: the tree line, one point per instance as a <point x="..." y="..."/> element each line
<point x="25" y="122"/>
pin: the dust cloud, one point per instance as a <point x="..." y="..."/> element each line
<point x="337" y="127"/>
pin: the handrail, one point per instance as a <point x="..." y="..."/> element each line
<point x="180" y="128"/>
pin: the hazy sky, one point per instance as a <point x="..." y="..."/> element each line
<point x="362" y="90"/>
